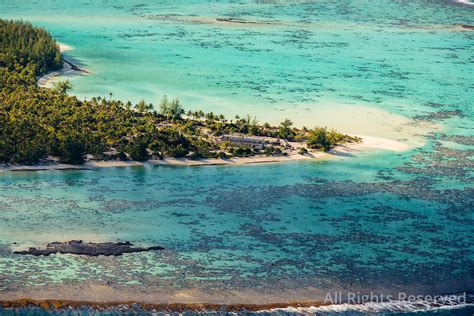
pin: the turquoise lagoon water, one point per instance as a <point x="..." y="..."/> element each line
<point x="311" y="61"/>
<point x="376" y="220"/>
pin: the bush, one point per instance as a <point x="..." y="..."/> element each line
<point x="273" y="151"/>
<point x="122" y="156"/>
<point x="221" y="155"/>
<point x="178" y="151"/>
<point x="138" y="150"/>
<point x="24" y="44"/>
<point x="302" y="151"/>
<point x="72" y="151"/>
<point x="318" y="139"/>
<point x="242" y="152"/>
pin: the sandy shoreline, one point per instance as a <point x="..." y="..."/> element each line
<point x="68" y="67"/>
<point x="159" y="296"/>
<point x="368" y="142"/>
<point x="52" y="304"/>
<point x="103" y="297"/>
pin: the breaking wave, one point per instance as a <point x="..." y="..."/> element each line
<point x="467" y="2"/>
<point x="444" y="302"/>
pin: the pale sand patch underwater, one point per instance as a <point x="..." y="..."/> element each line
<point x="260" y="24"/>
<point x="65" y="47"/>
<point x="346" y="116"/>
<point x="359" y="118"/>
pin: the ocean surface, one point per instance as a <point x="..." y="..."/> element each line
<point x="372" y="221"/>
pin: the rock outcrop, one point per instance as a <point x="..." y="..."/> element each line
<point x="78" y="247"/>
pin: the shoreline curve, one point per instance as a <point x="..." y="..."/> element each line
<point x="368" y="143"/>
<point x="52" y="304"/>
<point x="68" y="67"/>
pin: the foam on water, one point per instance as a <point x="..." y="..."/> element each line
<point x="467" y="2"/>
<point x="441" y="303"/>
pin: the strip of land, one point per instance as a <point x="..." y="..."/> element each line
<point x="161" y="297"/>
<point x="150" y="307"/>
<point x="368" y="143"/>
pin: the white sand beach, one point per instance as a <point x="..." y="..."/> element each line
<point x="368" y="143"/>
<point x="47" y="79"/>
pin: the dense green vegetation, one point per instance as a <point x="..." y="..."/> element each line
<point x="37" y="123"/>
<point x="23" y="44"/>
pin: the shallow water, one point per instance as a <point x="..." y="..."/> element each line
<point x="331" y="224"/>
<point x="306" y="57"/>
<point x="376" y="220"/>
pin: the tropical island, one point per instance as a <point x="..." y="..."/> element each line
<point x="47" y="125"/>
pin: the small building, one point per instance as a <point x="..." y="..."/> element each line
<point x="243" y="141"/>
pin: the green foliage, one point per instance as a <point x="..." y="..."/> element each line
<point x="172" y="110"/>
<point x="164" y="105"/>
<point x="247" y="125"/>
<point x="62" y="87"/>
<point x="221" y="155"/>
<point x="39" y="122"/>
<point x="23" y="44"/>
<point x="242" y="152"/>
<point x="72" y="150"/>
<point x="321" y="138"/>
<point x="284" y="131"/>
<point x="122" y="156"/>
<point x="273" y="151"/>
<point x="302" y="151"/>
<point x="143" y="108"/>
<point x="178" y="151"/>
<point x="318" y="139"/>
<point x="171" y="142"/>
<point x="137" y="149"/>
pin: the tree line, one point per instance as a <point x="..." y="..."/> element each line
<point x="23" y="44"/>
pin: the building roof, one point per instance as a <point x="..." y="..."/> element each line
<point x="242" y="139"/>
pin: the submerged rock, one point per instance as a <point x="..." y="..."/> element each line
<point x="235" y="20"/>
<point x="78" y="247"/>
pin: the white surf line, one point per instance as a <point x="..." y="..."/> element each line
<point x="440" y="302"/>
<point x="466" y="2"/>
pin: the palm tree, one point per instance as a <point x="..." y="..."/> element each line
<point x="175" y="109"/>
<point x="142" y="107"/>
<point x="210" y="116"/>
<point x="200" y="114"/>
<point x="164" y="106"/>
<point x="284" y="129"/>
